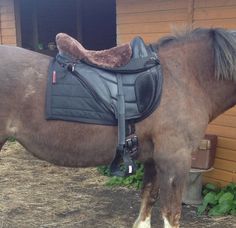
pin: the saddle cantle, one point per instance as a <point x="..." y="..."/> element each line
<point x="113" y="57"/>
<point x="79" y="90"/>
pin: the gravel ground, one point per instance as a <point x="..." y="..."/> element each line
<point x="37" y="194"/>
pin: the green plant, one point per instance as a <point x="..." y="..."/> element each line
<point x="134" y="180"/>
<point x="218" y="201"/>
<point x="104" y="170"/>
<point x="11" y="139"/>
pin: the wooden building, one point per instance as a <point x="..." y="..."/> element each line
<point x="150" y="19"/>
<point x="153" y="19"/>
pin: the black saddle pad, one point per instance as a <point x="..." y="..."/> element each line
<point x="89" y="94"/>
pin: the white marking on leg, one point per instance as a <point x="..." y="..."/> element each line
<point x="11" y="128"/>
<point x="171" y="179"/>
<point x="167" y="224"/>
<point x="143" y="224"/>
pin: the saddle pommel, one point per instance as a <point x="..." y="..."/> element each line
<point x="113" y="57"/>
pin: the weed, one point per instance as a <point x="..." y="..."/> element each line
<point x="218" y="201"/>
<point x="132" y="181"/>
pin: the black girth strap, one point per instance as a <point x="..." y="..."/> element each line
<point x="122" y="150"/>
<point x="121" y="112"/>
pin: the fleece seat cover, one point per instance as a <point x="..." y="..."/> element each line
<point x="113" y="57"/>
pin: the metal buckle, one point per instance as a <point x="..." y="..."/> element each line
<point x="131" y="144"/>
<point x="71" y="67"/>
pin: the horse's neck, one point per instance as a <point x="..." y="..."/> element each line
<point x="220" y="93"/>
<point x="223" y="96"/>
<point x="192" y="65"/>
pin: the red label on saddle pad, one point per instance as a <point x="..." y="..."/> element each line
<point x="54" y="77"/>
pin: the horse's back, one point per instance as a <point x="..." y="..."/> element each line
<point x="16" y="57"/>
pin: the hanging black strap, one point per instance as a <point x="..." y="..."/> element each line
<point x="121" y="151"/>
<point x="121" y="111"/>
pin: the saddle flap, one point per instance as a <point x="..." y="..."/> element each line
<point x="70" y="98"/>
<point x="94" y="78"/>
<point x="145" y="91"/>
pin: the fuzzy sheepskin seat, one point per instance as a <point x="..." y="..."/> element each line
<point x="113" y="57"/>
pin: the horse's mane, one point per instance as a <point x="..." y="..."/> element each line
<point x="224" y="45"/>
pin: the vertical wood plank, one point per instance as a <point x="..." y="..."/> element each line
<point x="190" y="13"/>
<point x="17" y="22"/>
<point x="7" y="20"/>
<point x="0" y="24"/>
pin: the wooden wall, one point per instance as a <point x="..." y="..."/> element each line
<point x="150" y="19"/>
<point x="7" y="23"/>
<point x="220" y="13"/>
<point x="153" y="19"/>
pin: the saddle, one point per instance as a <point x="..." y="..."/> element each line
<point x="118" y="93"/>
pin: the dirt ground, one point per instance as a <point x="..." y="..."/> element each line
<point x="34" y="193"/>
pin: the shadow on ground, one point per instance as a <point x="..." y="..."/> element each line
<point x="36" y="194"/>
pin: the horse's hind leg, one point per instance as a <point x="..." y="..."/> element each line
<point x="173" y="171"/>
<point x="2" y="142"/>
<point x="149" y="195"/>
<point x="3" y="139"/>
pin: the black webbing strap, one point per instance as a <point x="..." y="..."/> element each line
<point x="121" y="111"/>
<point x="121" y="151"/>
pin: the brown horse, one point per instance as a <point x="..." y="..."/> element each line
<point x="199" y="70"/>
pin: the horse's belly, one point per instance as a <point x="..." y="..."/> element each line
<point x="71" y="144"/>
